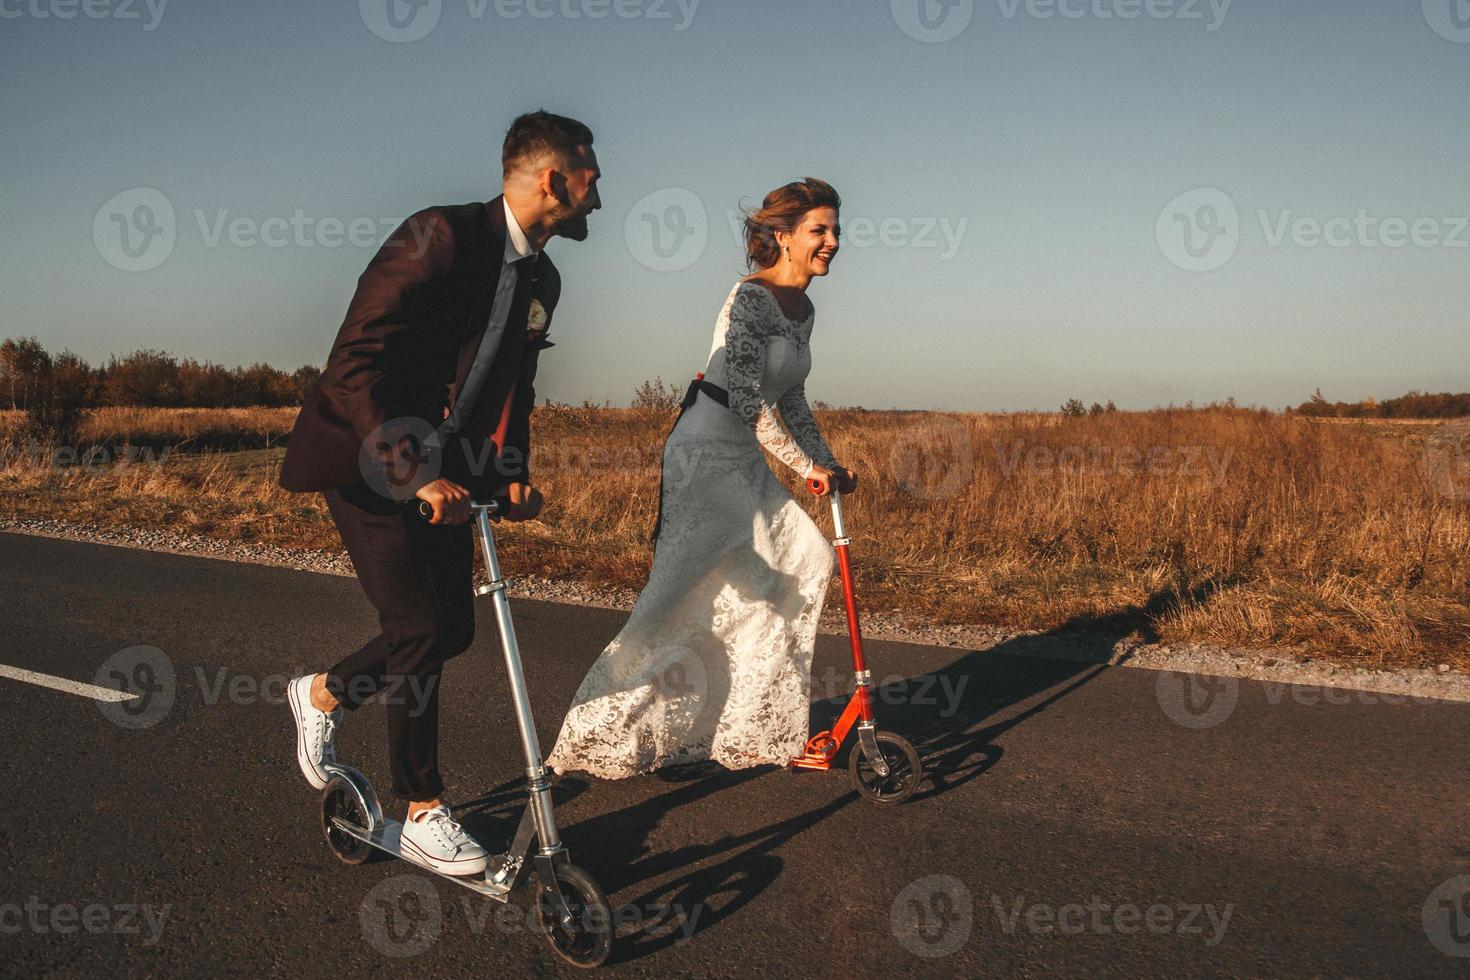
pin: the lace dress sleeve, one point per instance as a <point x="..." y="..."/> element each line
<point x="797" y="415"/>
<point x="752" y="322"/>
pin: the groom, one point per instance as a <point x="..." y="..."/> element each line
<point x="427" y="396"/>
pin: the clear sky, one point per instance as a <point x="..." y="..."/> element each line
<point x="1089" y="198"/>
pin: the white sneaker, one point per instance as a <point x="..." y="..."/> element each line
<point x="435" y="840"/>
<point x="316" y="733"/>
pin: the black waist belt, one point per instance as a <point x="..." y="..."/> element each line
<point x="709" y="388"/>
<point x="714" y="391"/>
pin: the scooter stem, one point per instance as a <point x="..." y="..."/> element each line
<point x="844" y="563"/>
<point x="535" y="768"/>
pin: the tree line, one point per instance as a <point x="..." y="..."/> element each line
<point x="145" y="378"/>
<point x="57" y="391"/>
<point x="1414" y="405"/>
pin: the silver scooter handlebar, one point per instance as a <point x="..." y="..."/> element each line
<point x="497" y="505"/>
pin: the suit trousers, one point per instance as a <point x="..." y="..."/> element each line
<point x="419" y="577"/>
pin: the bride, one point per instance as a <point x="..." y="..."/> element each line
<point x="715" y="660"/>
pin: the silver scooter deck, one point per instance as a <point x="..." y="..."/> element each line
<point x="388" y="838"/>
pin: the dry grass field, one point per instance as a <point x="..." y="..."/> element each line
<point x="1224" y="525"/>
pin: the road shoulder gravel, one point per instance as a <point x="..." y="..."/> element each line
<point x="1288" y="666"/>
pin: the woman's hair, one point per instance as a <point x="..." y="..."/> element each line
<point x="782" y="210"/>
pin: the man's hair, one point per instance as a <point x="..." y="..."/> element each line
<point x="541" y="132"/>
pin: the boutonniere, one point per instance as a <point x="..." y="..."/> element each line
<point x="536" y="321"/>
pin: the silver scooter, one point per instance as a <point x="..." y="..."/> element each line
<point x="570" y="906"/>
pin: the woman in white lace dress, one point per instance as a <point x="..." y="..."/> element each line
<point x="715" y="660"/>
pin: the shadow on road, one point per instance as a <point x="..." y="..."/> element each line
<point x="1036" y="671"/>
<point x="721" y="877"/>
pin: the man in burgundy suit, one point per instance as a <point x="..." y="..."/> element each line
<point x="427" y="396"/>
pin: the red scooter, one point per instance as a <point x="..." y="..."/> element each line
<point x="885" y="767"/>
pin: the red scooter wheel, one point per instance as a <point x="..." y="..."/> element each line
<point x="904" y="770"/>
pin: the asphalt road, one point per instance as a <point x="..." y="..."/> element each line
<point x="1078" y="820"/>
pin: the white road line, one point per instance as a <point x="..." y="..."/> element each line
<point x="62" y="684"/>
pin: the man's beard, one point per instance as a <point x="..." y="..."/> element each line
<point x="573" y="226"/>
<point x="569" y="224"/>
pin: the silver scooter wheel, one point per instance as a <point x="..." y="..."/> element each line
<point x="583" y="933"/>
<point x="341" y="800"/>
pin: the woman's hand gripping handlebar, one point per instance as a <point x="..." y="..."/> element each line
<point x="822" y="480"/>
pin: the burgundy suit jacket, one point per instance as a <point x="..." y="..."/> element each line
<point x="408" y="340"/>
